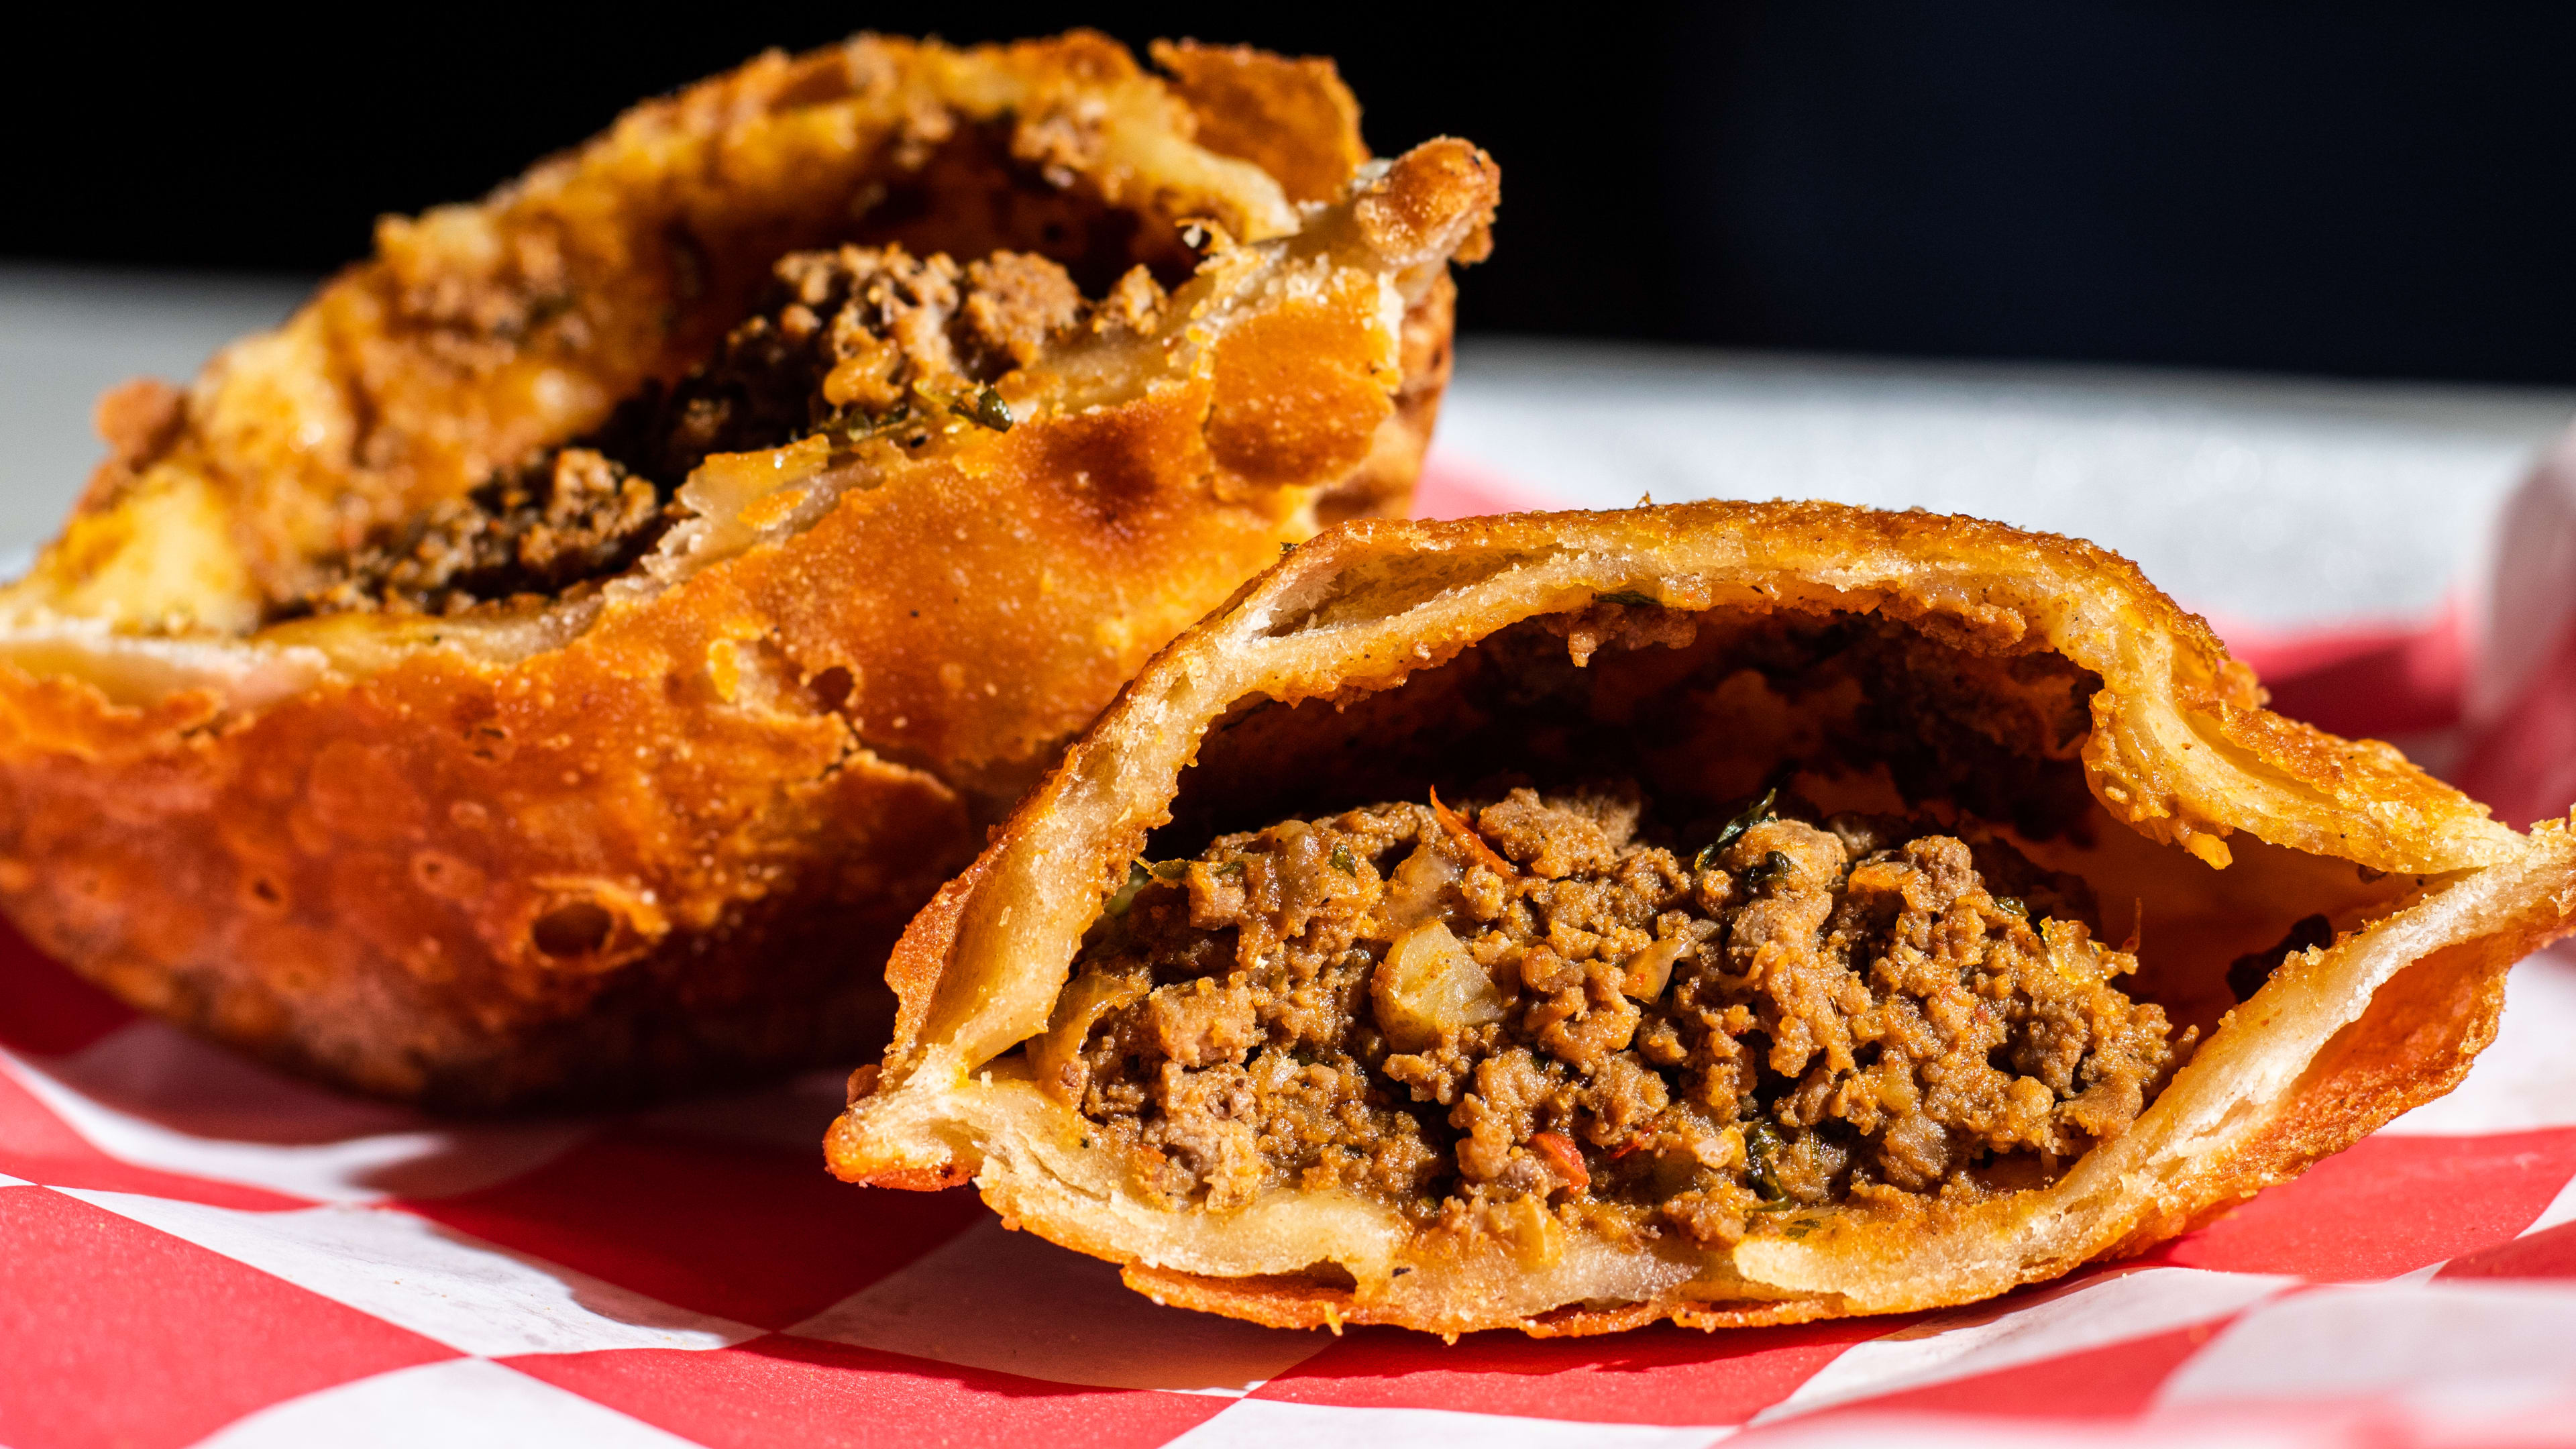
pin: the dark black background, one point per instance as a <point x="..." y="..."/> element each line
<point x="2358" y="189"/>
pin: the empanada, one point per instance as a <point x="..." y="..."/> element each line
<point x="555" y="662"/>
<point x="1729" y="913"/>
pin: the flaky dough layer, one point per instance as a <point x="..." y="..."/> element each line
<point x="661" y="830"/>
<point x="2208" y="802"/>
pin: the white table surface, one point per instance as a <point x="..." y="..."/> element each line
<point x="2268" y="501"/>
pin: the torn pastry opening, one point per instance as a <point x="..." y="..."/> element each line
<point x="857" y="351"/>
<point x="695" y="335"/>
<point x="1663" y="928"/>
<point x="553" y="663"/>
<point x="923" y="332"/>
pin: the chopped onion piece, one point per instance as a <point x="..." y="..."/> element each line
<point x="1647" y="973"/>
<point x="1429" y="987"/>
<point x="1420" y="889"/>
<point x="1055" y="1057"/>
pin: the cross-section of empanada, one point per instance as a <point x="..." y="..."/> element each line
<point x="542" y="667"/>
<point x="1725" y="913"/>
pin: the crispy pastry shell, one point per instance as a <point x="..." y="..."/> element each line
<point x="661" y="830"/>
<point x="2224" y="819"/>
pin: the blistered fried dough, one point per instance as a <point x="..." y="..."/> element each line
<point x="1722" y="913"/>
<point x="555" y="662"/>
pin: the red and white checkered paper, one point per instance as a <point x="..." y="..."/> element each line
<point x="193" y="1249"/>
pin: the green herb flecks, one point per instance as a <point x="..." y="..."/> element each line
<point x="1762" y="1148"/>
<point x="1341" y="860"/>
<point x="2012" y="906"/>
<point x="986" y="408"/>
<point x="1171" y="872"/>
<point x="1230" y="868"/>
<point x="857" y="427"/>
<point x="1765" y="807"/>
<point x="1773" y="865"/>
<point x="1137" y="879"/>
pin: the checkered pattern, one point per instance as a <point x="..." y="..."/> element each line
<point x="193" y="1250"/>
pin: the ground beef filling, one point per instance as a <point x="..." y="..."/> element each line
<point x="1455" y="1010"/>
<point x="564" y="516"/>
<point x="858" y="341"/>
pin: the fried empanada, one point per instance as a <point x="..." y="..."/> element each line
<point x="1724" y="913"/>
<point x="554" y="664"/>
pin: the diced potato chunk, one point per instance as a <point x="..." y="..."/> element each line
<point x="1428" y="986"/>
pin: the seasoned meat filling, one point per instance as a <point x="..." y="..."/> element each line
<point x="1452" y="1010"/>
<point x="854" y="339"/>
<point x="560" y="517"/>
<point x="858" y="341"/>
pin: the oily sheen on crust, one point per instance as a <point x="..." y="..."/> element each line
<point x="2207" y="827"/>
<point x="633" y="808"/>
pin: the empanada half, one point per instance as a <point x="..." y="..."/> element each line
<point x="553" y="663"/>
<point x="1729" y="913"/>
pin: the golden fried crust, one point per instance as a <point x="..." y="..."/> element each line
<point x="660" y="830"/>
<point x="479" y="331"/>
<point x="1292" y="118"/>
<point x="2216" y="810"/>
